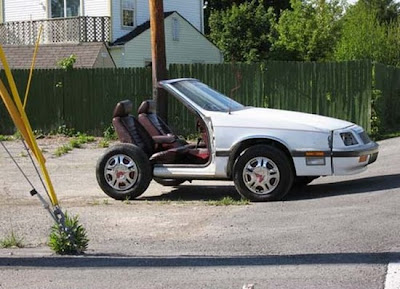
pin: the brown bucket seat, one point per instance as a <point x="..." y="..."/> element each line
<point x="156" y="127"/>
<point x="198" y="153"/>
<point x="129" y="130"/>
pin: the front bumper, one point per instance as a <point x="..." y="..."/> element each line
<point x="348" y="162"/>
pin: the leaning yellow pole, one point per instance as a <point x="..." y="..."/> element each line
<point x="27" y="132"/>
<point x="32" y="66"/>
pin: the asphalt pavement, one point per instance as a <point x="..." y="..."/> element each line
<point x="338" y="232"/>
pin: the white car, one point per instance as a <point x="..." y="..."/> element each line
<point x="264" y="151"/>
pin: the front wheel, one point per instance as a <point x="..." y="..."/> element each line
<point x="123" y="172"/>
<point x="263" y="173"/>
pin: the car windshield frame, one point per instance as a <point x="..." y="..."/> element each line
<point x="205" y="97"/>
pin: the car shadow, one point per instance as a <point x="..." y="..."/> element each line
<point x="312" y="191"/>
<point x="195" y="193"/>
<point x="356" y="186"/>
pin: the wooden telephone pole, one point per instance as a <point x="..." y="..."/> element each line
<point x="159" y="66"/>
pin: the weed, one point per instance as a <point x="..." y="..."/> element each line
<point x="104" y="143"/>
<point x="62" y="150"/>
<point x="127" y="201"/>
<point x="229" y="201"/>
<point x="109" y="133"/>
<point x="71" y="241"/>
<point x="74" y="143"/>
<point x="63" y="130"/>
<point x="23" y="154"/>
<point x="67" y="63"/>
<point x="105" y="202"/>
<point x="17" y="135"/>
<point x="5" y="137"/>
<point x="12" y="240"/>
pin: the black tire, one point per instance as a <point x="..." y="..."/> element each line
<point x="132" y="164"/>
<point x="169" y="182"/>
<point x="275" y="166"/>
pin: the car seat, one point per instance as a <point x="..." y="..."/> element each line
<point x="129" y="130"/>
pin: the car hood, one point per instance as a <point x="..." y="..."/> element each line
<point x="278" y="119"/>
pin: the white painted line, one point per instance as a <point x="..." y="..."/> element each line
<point x="393" y="276"/>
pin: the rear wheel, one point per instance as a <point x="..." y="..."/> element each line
<point x="263" y="173"/>
<point x="123" y="172"/>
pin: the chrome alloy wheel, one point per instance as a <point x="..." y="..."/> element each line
<point x="261" y="175"/>
<point x="121" y="172"/>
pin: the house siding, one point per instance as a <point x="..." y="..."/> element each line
<point x="191" y="47"/>
<point x="192" y="10"/>
<point x="1" y="11"/>
<point x="23" y="10"/>
<point x="96" y="8"/>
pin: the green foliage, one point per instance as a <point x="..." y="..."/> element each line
<point x="109" y="133"/>
<point x="62" y="150"/>
<point x="308" y="32"/>
<point x="63" y="130"/>
<point x="104" y="143"/>
<point x="364" y="36"/>
<point x="241" y="32"/>
<point x="17" y="135"/>
<point x="12" y="240"/>
<point x="71" y="241"/>
<point x="5" y="138"/>
<point x="385" y="10"/>
<point x="376" y="125"/>
<point x="222" y="5"/>
<point x="76" y="142"/>
<point x="67" y="63"/>
<point x="229" y="201"/>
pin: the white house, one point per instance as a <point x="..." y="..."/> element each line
<point x="82" y="21"/>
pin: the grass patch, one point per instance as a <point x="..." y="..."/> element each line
<point x="76" y="142"/>
<point x="12" y="241"/>
<point x="104" y="143"/>
<point x="229" y="201"/>
<point x="6" y="138"/>
<point x="62" y="150"/>
<point x="73" y="241"/>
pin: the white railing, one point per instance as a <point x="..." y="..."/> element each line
<point x="59" y="30"/>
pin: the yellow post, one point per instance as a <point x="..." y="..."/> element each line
<point x="26" y="127"/>
<point x="32" y="66"/>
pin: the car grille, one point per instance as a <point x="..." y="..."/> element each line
<point x="364" y="137"/>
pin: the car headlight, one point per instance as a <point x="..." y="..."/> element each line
<point x="348" y="139"/>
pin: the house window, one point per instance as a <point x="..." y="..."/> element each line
<point x="175" y="29"/>
<point x="128" y="13"/>
<point x="65" y="8"/>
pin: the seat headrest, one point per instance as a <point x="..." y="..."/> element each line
<point x="147" y="106"/>
<point x="123" y="108"/>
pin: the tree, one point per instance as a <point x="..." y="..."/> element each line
<point x="309" y="32"/>
<point x="385" y="10"/>
<point x="365" y="36"/>
<point x="241" y="32"/>
<point x="222" y="5"/>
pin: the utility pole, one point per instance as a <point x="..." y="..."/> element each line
<point x="159" y="66"/>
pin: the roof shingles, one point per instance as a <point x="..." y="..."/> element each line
<point x="20" y="57"/>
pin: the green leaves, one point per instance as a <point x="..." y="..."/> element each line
<point x="71" y="241"/>
<point x="308" y="32"/>
<point x="241" y="32"/>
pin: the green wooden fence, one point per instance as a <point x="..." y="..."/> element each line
<point x="387" y="82"/>
<point x="84" y="98"/>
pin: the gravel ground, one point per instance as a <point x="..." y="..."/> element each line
<point x="339" y="232"/>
